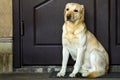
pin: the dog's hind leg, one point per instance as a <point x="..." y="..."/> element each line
<point x="98" y="63"/>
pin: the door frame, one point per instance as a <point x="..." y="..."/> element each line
<point x="16" y="34"/>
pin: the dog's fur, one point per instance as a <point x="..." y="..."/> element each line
<point x="90" y="56"/>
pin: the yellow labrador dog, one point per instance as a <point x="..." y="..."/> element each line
<point x="90" y="56"/>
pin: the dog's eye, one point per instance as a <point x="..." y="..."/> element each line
<point x="75" y="10"/>
<point x="67" y="9"/>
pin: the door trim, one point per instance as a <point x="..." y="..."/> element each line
<point x="16" y="34"/>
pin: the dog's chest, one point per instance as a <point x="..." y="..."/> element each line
<point x="70" y="40"/>
<point x="73" y="52"/>
<point x="71" y="36"/>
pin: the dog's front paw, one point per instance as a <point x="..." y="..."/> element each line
<point x="72" y="75"/>
<point x="61" y="74"/>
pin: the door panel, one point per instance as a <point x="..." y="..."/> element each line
<point x="115" y="32"/>
<point x="47" y="24"/>
<point x="102" y="22"/>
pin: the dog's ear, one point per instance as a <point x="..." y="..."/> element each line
<point x="64" y="13"/>
<point x="83" y="11"/>
<point x="82" y="6"/>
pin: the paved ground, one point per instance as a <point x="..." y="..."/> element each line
<point x="43" y="76"/>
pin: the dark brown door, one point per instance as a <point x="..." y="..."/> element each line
<point x="115" y="31"/>
<point x="42" y="22"/>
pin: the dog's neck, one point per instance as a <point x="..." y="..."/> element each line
<point x="75" y="23"/>
<point x="72" y="27"/>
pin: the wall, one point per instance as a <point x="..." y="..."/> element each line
<point x="5" y="35"/>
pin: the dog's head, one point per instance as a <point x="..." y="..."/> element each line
<point x="74" y="12"/>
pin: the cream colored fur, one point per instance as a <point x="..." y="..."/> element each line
<point x="90" y="56"/>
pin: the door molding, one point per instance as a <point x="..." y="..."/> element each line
<point x="16" y="34"/>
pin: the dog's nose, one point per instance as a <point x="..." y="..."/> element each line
<point x="68" y="17"/>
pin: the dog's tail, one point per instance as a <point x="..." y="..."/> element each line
<point x="95" y="74"/>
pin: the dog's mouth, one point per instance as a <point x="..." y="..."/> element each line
<point x="71" y="18"/>
<point x="68" y="17"/>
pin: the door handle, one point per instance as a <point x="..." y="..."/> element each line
<point x="22" y="28"/>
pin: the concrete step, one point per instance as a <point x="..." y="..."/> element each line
<point x="41" y="76"/>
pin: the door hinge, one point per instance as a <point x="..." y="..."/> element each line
<point x="22" y="28"/>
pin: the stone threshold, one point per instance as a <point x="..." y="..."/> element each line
<point x="49" y="69"/>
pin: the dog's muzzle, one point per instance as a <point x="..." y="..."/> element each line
<point x="68" y="17"/>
